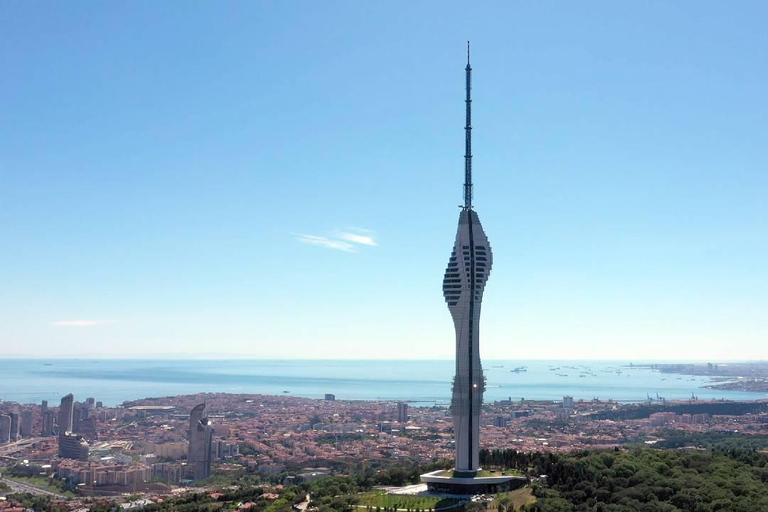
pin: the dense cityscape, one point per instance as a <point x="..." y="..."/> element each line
<point x="154" y="449"/>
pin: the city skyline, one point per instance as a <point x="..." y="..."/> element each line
<point x="150" y="448"/>
<point x="623" y="159"/>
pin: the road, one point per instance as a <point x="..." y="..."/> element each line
<point x="23" y="487"/>
<point x="302" y="507"/>
<point x="10" y="449"/>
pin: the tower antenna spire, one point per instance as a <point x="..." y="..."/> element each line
<point x="468" y="140"/>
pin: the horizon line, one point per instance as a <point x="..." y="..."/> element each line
<point x="244" y="357"/>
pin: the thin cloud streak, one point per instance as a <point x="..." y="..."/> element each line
<point x="340" y="240"/>
<point x="355" y="238"/>
<point x="81" y="323"/>
<point x="358" y="230"/>
<point x="322" y="241"/>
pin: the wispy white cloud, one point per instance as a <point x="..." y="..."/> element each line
<point x="345" y="240"/>
<point x="356" y="229"/>
<point x="324" y="241"/>
<point x="356" y="238"/>
<point x="81" y="323"/>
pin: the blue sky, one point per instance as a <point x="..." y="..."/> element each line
<point x="163" y="167"/>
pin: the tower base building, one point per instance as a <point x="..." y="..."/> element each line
<point x="448" y="482"/>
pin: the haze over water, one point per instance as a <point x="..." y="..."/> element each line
<point x="429" y="382"/>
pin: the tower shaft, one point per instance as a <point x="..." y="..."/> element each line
<point x="463" y="286"/>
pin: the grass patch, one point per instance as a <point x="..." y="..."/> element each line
<point x="513" y="500"/>
<point x="512" y="472"/>
<point x="381" y="499"/>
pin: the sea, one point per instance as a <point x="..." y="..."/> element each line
<point x="114" y="381"/>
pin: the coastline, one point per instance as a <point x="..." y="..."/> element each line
<point x="415" y="381"/>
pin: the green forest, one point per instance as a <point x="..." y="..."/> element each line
<point x="644" y="480"/>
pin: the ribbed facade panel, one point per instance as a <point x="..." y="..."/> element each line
<point x="463" y="284"/>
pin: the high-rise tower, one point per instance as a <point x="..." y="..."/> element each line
<point x="66" y="410"/>
<point x="71" y="446"/>
<point x="5" y="429"/>
<point x="463" y="285"/>
<point x="200" y="435"/>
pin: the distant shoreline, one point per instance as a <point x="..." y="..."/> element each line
<point x="114" y="381"/>
<point x="234" y="357"/>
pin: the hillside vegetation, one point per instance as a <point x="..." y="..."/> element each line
<point x="646" y="480"/>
